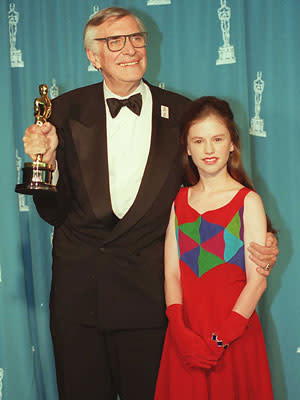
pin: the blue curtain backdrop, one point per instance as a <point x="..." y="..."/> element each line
<point x="42" y="43"/>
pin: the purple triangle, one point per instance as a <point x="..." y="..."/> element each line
<point x="241" y="214"/>
<point x="190" y="258"/>
<point x="207" y="230"/>
<point x="239" y="258"/>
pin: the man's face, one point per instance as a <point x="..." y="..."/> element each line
<point x="122" y="70"/>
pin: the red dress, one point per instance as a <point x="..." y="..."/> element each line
<point x="212" y="266"/>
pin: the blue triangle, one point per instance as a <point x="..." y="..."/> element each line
<point x="232" y="245"/>
<point x="207" y="230"/>
<point x="190" y="258"/>
<point x="239" y="258"/>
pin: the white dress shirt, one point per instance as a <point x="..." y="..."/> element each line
<point x="128" y="145"/>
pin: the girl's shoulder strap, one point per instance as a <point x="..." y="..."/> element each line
<point x="239" y="198"/>
<point x="182" y="193"/>
<point x="181" y="196"/>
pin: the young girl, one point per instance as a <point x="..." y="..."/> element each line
<point x="214" y="347"/>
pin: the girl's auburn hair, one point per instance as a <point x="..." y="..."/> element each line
<point x="197" y="111"/>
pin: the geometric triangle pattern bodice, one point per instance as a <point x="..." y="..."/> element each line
<point x="212" y="277"/>
<point x="213" y="238"/>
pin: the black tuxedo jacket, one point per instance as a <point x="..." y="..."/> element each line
<point x="109" y="272"/>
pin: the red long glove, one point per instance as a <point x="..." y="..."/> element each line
<point x="232" y="328"/>
<point x="191" y="348"/>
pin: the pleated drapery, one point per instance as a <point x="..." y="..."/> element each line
<point x="246" y="51"/>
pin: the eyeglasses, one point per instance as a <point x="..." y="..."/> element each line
<point x="117" y="43"/>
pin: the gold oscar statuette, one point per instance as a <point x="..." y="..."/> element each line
<point x="37" y="175"/>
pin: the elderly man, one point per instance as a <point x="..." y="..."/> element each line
<point x="116" y="145"/>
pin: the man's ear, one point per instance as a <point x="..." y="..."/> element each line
<point x="94" y="58"/>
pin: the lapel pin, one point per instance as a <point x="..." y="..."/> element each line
<point x="164" y="112"/>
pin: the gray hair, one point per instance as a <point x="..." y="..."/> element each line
<point x="100" y="17"/>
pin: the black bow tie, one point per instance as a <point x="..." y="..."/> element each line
<point x="134" y="103"/>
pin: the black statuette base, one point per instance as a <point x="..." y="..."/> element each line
<point x="37" y="177"/>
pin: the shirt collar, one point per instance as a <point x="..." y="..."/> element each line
<point x="108" y="93"/>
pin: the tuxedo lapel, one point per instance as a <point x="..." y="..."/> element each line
<point x="163" y="150"/>
<point x="89" y="136"/>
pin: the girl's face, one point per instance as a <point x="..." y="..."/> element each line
<point x="209" y="144"/>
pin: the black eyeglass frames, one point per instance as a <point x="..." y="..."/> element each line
<point x="117" y="43"/>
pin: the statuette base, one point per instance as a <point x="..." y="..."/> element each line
<point x="257" y="127"/>
<point x="226" y="55"/>
<point x="37" y="176"/>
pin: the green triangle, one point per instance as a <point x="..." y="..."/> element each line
<point x="234" y="225"/>
<point x="191" y="229"/>
<point x="207" y="261"/>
